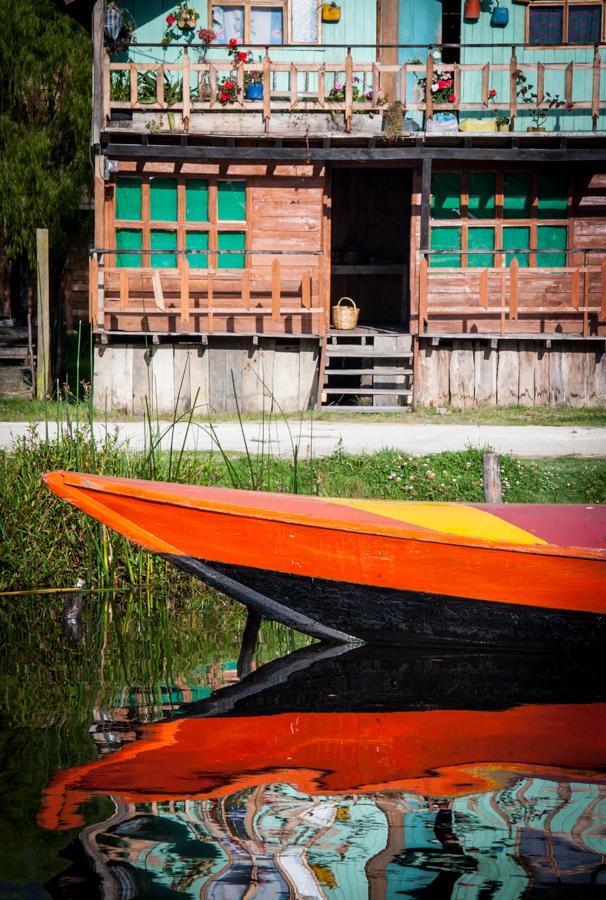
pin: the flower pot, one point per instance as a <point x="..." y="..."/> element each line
<point x="475" y="125"/>
<point x="535" y="128"/>
<point x="331" y="12"/>
<point x="254" y="92"/>
<point x="499" y="17"/>
<point x="471" y="11"/>
<point x="504" y="127"/>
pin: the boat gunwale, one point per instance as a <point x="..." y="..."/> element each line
<point x="147" y="492"/>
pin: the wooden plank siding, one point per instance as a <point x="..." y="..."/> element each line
<point x="280" y="290"/>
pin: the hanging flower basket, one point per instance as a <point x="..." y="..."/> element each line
<point x="183" y="18"/>
<point x="119" y="27"/>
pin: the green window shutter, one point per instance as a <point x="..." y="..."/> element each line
<point x="163" y="240"/>
<point x="196" y="200"/>
<point x="553" y="196"/>
<point x="482" y="191"/>
<point x="128" y="199"/>
<point x="446" y="195"/>
<point x="232" y="201"/>
<point x="480" y="239"/>
<point x="163" y="199"/>
<point x="551" y="237"/>
<point x="231" y="240"/>
<point x="516" y="238"/>
<point x="197" y="240"/>
<point x="128" y="239"/>
<point x="445" y="239"/>
<point x="516" y="195"/>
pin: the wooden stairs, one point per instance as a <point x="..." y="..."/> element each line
<point x="366" y="370"/>
<point x="16" y="363"/>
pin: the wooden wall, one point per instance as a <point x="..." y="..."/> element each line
<point x="467" y="373"/>
<point x="284" y="213"/>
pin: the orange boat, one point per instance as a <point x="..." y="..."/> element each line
<point x="373" y="570"/>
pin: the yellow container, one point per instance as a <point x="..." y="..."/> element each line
<point x="478" y="125"/>
<point x="331" y="12"/>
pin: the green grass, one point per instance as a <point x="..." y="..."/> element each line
<point x="23" y="410"/>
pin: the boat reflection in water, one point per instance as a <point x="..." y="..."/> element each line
<point x="336" y="773"/>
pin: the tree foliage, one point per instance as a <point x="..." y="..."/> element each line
<point x="45" y="97"/>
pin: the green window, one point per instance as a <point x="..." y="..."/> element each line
<point x="231" y="240"/>
<point x="445" y="239"/>
<point x="128" y="199"/>
<point x="128" y="239"/>
<point x="197" y="240"/>
<point x="481" y="195"/>
<point x="231" y="204"/>
<point x="552" y="193"/>
<point x="446" y="195"/>
<point x="196" y="200"/>
<point x="163" y="240"/>
<point x="516" y="238"/>
<point x="551" y="237"/>
<point x="516" y="195"/>
<point x="480" y="239"/>
<point x="163" y="199"/>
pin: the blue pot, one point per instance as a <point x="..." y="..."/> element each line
<point x="254" y="92"/>
<point x="499" y="17"/>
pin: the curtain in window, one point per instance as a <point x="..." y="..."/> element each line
<point x="546" y="25"/>
<point x="228" y="23"/>
<point x="266" y="25"/>
<point x="584" y="24"/>
<point x="304" y="15"/>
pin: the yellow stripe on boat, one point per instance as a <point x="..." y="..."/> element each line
<point x="449" y="518"/>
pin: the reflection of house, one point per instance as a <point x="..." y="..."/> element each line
<point x="274" y="841"/>
<point x="226" y="229"/>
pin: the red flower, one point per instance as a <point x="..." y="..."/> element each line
<point x="223" y="97"/>
<point x="170" y="19"/>
<point x="492" y="93"/>
<point x="242" y="56"/>
<point x="444" y="82"/>
<point x="233" y="42"/>
<point x="228" y="85"/>
<point x="452" y="99"/>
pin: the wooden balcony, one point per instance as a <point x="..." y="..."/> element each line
<point x="512" y="301"/>
<point x="186" y="92"/>
<point x="184" y="300"/>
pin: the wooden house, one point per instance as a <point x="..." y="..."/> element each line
<point x="444" y="168"/>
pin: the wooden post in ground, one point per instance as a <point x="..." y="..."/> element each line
<point x="43" y="316"/>
<point x="492" y="478"/>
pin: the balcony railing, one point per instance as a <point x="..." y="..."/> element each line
<point x="188" y="87"/>
<point x="513" y="300"/>
<point x="269" y="300"/>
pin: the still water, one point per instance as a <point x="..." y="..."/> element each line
<point x="135" y="763"/>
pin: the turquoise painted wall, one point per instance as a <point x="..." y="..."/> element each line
<point x="482" y="32"/>
<point x="420" y="23"/>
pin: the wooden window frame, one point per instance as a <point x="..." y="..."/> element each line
<point x="247" y="5"/>
<point x="498" y="221"/>
<point x="181" y="226"/>
<point x="565" y="4"/>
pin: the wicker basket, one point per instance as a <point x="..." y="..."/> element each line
<point x="345" y="317"/>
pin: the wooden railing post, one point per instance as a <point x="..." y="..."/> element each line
<point x="160" y="86"/>
<point x="568" y="84"/>
<point x="246" y="289"/>
<point x="540" y="82"/>
<point x="348" y="89"/>
<point x="184" y="275"/>
<point x="585" y="297"/>
<point x="107" y="88"/>
<point x="186" y="87"/>
<point x="403" y="87"/>
<point x="306" y="289"/>
<point x="209" y="291"/>
<point x="124" y="293"/>
<point x="266" y="89"/>
<point x="513" y="288"/>
<point x="93" y="286"/>
<point x="294" y="74"/>
<point x="134" y="85"/>
<point x="423" y="294"/>
<point x="275" y="290"/>
<point x="485" y="84"/>
<point x="595" y="89"/>
<point x="513" y="88"/>
<point x="428" y="84"/>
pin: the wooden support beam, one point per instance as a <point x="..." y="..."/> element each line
<point x="93" y="281"/>
<point x="246" y="289"/>
<point x="513" y="87"/>
<point x="575" y="298"/>
<point x="266" y="89"/>
<point x="43" y="316"/>
<point x="595" y="87"/>
<point x="186" y="89"/>
<point x="210" y="303"/>
<point x="428" y="84"/>
<point x="348" y="89"/>
<point x="568" y="83"/>
<point x="98" y="74"/>
<point x="585" y="301"/>
<point x="503" y="297"/>
<point x="158" y="294"/>
<point x="425" y="204"/>
<point x="423" y="294"/>
<point x="275" y="290"/>
<point x="514" y="271"/>
<point x="484" y="288"/>
<point x="602" y="313"/>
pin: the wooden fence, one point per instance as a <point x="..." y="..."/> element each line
<point x="512" y="300"/>
<point x="256" y="301"/>
<point x="189" y="87"/>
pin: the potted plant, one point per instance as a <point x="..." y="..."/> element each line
<point x="331" y="12"/>
<point x="184" y="18"/>
<point x="119" y="27"/>
<point x="442" y="84"/>
<point x="486" y="123"/>
<point x="538" y="109"/>
<point x="502" y="122"/>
